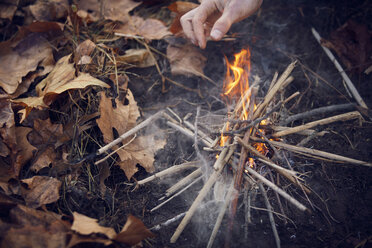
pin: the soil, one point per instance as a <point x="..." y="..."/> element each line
<point x="342" y="195"/>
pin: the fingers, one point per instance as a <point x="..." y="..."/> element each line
<point x="201" y="15"/>
<point x="221" y="26"/>
<point x="186" y="23"/>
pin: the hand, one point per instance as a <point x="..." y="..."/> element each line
<point x="214" y="18"/>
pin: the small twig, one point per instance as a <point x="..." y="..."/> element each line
<point x="308" y="152"/>
<point x="182" y="183"/>
<point x="317" y="111"/>
<point x="277" y="189"/>
<point x="271" y="216"/>
<point x="348" y="82"/>
<point x="129" y="133"/>
<point x="168" y="222"/>
<point x="170" y="170"/>
<point x="221" y="214"/>
<point x="177" y="194"/>
<point x="342" y="117"/>
<point x="184" y="87"/>
<point x="186" y="132"/>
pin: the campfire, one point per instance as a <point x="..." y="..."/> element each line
<point x="252" y="134"/>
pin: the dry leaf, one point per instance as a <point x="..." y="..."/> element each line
<point x="45" y="159"/>
<point x="186" y="60"/>
<point x="122" y="118"/>
<point x="60" y="79"/>
<point x="25" y="149"/>
<point x="133" y="232"/>
<point x="8" y="8"/>
<point x="139" y="57"/>
<point x="7" y="128"/>
<point x="49" y="10"/>
<point x="23" y="53"/>
<point x="151" y="29"/>
<point x="45" y="132"/>
<point x="83" y="52"/>
<point x="41" y="190"/>
<point x="79" y="239"/>
<point x="116" y="10"/>
<point x="180" y="8"/>
<point x="86" y="226"/>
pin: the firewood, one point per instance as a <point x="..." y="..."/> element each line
<point x="182" y="182"/>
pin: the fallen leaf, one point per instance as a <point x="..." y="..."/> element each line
<point x="186" y="60"/>
<point x="45" y="133"/>
<point x="83" y="51"/>
<point x="151" y="29"/>
<point x="45" y="159"/>
<point x="41" y="190"/>
<point x="8" y="8"/>
<point x="179" y="8"/>
<point x="133" y="232"/>
<point x="60" y="79"/>
<point x="25" y="149"/>
<point x="138" y="57"/>
<point x="85" y="225"/>
<point x="24" y="53"/>
<point x="116" y="10"/>
<point x="50" y="10"/>
<point x="7" y="128"/>
<point x="86" y="241"/>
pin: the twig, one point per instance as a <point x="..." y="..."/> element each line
<point x="347" y="80"/>
<point x="168" y="222"/>
<point x="130" y="132"/>
<point x="277" y="189"/>
<point x="200" y="132"/>
<point x="186" y="132"/>
<point x="306" y="132"/>
<point x="342" y="117"/>
<point x="177" y="194"/>
<point x="182" y="183"/>
<point x="221" y="215"/>
<point x="308" y="151"/>
<point x="321" y="110"/>
<point x="277" y="86"/>
<point x="207" y="186"/>
<point x="184" y="87"/>
<point x="271" y="216"/>
<point x="170" y="170"/>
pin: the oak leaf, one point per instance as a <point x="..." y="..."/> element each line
<point x="24" y="53"/>
<point x="49" y="10"/>
<point x="41" y="190"/>
<point x="186" y="60"/>
<point x="133" y="232"/>
<point x="139" y="57"/>
<point x="8" y="8"/>
<point x="85" y="225"/>
<point x="179" y="8"/>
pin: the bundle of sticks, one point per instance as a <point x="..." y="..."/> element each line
<point x="242" y="138"/>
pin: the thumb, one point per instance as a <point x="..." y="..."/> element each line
<point x="221" y="26"/>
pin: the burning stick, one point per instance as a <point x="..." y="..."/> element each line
<point x="170" y="170"/>
<point x="221" y="214"/>
<point x="342" y="117"/>
<point x="270" y="213"/>
<point x="308" y="151"/>
<point x="350" y="84"/>
<point x="277" y="189"/>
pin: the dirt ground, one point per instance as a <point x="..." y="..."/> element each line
<point x="278" y="34"/>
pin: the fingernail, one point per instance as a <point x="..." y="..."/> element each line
<point x="216" y="34"/>
<point x="194" y="42"/>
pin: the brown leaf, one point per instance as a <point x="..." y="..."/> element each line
<point x="133" y="232"/>
<point x="83" y="51"/>
<point x="49" y="10"/>
<point x="45" y="132"/>
<point x="139" y="57"/>
<point x="46" y="158"/>
<point x="186" y="60"/>
<point x="41" y="190"/>
<point x="116" y="10"/>
<point x="60" y="79"/>
<point x="180" y="8"/>
<point x="25" y="149"/>
<point x="140" y="151"/>
<point x="86" y="226"/>
<point x="84" y="240"/>
<point x="23" y="53"/>
<point x="151" y="29"/>
<point x="7" y="9"/>
<point x="7" y="128"/>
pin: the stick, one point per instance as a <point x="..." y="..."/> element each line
<point x="278" y="85"/>
<point x="342" y="117"/>
<point x="347" y="80"/>
<point x="271" y="216"/>
<point x="175" y="195"/>
<point x="207" y="186"/>
<point x="170" y="170"/>
<point x="182" y="182"/>
<point x="321" y="110"/>
<point x="221" y="215"/>
<point x="277" y="189"/>
<point x="168" y="222"/>
<point x="200" y="132"/>
<point x="319" y="153"/>
<point x="132" y="131"/>
<point x="186" y="132"/>
<point x="306" y="132"/>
